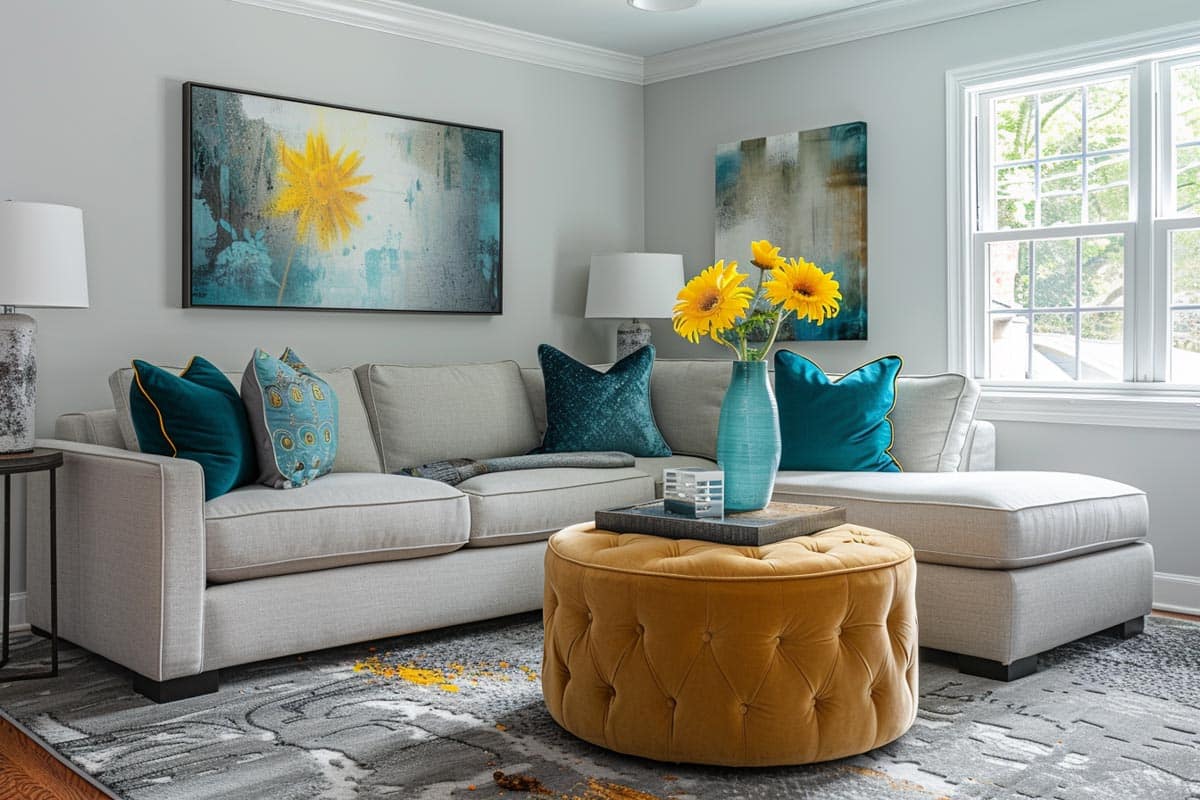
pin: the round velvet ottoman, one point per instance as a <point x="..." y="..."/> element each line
<point x="687" y="651"/>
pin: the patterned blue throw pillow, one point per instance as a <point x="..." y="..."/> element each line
<point x="293" y="416"/>
<point x="591" y="411"/>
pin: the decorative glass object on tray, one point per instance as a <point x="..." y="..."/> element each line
<point x="694" y="492"/>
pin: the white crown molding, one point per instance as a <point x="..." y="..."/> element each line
<point x="861" y="22"/>
<point x="438" y="27"/>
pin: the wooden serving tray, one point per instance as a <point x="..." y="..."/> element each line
<point x="774" y="523"/>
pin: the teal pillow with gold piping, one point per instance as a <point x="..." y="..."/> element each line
<point x="841" y="424"/>
<point x="197" y="415"/>
<point x="293" y="417"/>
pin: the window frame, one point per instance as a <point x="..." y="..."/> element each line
<point x="1143" y="399"/>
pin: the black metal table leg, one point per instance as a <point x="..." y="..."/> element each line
<point x="23" y="463"/>
<point x="53" y="574"/>
<point x="7" y="561"/>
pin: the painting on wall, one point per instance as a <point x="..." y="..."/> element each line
<point x="293" y="204"/>
<point x="807" y="193"/>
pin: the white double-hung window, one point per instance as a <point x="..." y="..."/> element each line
<point x="1075" y="222"/>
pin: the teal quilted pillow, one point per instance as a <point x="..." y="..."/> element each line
<point x="293" y="416"/>
<point x="194" y="415"/>
<point x="836" y="425"/>
<point x="588" y="410"/>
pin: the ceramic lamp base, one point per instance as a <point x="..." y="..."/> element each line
<point x="18" y="382"/>
<point x="631" y="337"/>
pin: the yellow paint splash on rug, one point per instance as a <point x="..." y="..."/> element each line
<point x="895" y="784"/>
<point x="450" y="677"/>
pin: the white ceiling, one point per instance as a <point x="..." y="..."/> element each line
<point x="614" y="25"/>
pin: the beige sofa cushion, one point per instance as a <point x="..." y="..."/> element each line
<point x="428" y="413"/>
<point x="991" y="520"/>
<point x="529" y="505"/>
<point x="334" y="521"/>
<point x="356" y="446"/>
<point x="90" y="427"/>
<point x="932" y="417"/>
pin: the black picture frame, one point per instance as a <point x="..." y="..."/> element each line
<point x="188" y="283"/>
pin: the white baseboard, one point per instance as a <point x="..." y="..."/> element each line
<point x="1178" y="593"/>
<point x="17" y="620"/>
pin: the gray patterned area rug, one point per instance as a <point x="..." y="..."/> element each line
<point x="436" y="715"/>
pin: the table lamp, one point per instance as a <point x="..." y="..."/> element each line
<point x="633" y="286"/>
<point x="41" y="265"/>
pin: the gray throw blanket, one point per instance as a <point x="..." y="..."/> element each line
<point x="456" y="470"/>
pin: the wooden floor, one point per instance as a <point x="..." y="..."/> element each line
<point x="27" y="772"/>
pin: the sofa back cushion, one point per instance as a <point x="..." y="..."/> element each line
<point x="90" y="427"/>
<point x="421" y="414"/>
<point x="356" y="444"/>
<point x="932" y="416"/>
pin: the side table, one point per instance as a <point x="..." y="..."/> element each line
<point x="37" y="460"/>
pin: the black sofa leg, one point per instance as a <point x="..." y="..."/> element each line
<point x="36" y="631"/>
<point x="994" y="670"/>
<point x="177" y="688"/>
<point x="1128" y="629"/>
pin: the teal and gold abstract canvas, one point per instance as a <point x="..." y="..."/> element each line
<point x="807" y="193"/>
<point x="292" y="204"/>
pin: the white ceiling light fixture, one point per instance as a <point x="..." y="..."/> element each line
<point x="663" y="5"/>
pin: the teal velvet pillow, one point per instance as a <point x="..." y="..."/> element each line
<point x="836" y="425"/>
<point x="293" y="416"/>
<point x="197" y="415"/>
<point x="587" y="410"/>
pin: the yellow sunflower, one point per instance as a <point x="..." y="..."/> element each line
<point x="802" y="287"/>
<point x="711" y="302"/>
<point x="317" y="186"/>
<point x="765" y="255"/>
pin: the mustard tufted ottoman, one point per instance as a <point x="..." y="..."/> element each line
<point x="687" y="651"/>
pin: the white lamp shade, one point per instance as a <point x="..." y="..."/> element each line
<point x="41" y="256"/>
<point x="633" y="285"/>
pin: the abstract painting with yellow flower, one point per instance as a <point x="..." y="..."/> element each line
<point x="803" y="192"/>
<point x="293" y="204"/>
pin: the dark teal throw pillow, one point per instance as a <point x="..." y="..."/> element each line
<point x="836" y="425"/>
<point x="197" y="415"/>
<point x="588" y="410"/>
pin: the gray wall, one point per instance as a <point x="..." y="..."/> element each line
<point x="91" y="96"/>
<point x="897" y="84"/>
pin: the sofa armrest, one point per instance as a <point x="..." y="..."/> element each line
<point x="979" y="452"/>
<point x="131" y="560"/>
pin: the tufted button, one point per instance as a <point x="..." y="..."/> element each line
<point x="706" y="636"/>
<point x="670" y="702"/>
<point x="744" y="708"/>
<point x="837" y="631"/>
<point x="589" y="615"/>
<point x="640" y="629"/>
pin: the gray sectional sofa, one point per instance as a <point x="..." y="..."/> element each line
<point x="175" y="588"/>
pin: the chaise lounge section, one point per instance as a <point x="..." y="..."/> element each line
<point x="175" y="588"/>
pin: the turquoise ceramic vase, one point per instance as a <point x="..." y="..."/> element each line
<point x="748" y="444"/>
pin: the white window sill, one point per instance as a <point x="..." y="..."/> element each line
<point x="1123" y="406"/>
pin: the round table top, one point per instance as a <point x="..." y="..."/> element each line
<point x="35" y="460"/>
<point x="846" y="548"/>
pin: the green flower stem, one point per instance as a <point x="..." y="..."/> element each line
<point x="783" y="314"/>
